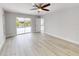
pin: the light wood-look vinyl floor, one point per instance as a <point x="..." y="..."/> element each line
<point x="36" y="44"/>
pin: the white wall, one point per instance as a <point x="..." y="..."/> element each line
<point x="38" y="24"/>
<point x="10" y="21"/>
<point x="2" y="35"/>
<point x="63" y="24"/>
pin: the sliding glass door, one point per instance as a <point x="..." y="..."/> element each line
<point x="23" y="25"/>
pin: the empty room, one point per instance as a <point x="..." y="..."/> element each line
<point x="39" y="29"/>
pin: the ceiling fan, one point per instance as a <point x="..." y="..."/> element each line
<point x="41" y="7"/>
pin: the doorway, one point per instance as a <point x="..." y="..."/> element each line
<point x="42" y="25"/>
<point x="23" y="25"/>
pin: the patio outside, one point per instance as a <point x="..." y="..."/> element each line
<point x="23" y="25"/>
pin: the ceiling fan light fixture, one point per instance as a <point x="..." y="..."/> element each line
<point x="39" y="9"/>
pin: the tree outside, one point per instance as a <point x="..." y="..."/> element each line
<point x="23" y="23"/>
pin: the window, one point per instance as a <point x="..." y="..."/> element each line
<point x="42" y="25"/>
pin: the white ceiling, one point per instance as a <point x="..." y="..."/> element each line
<point x="25" y="7"/>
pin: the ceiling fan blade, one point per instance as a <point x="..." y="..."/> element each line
<point x="34" y="9"/>
<point x="45" y="9"/>
<point x="36" y="5"/>
<point x="41" y="4"/>
<point x="45" y="5"/>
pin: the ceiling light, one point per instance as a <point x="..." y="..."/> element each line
<point x="39" y="9"/>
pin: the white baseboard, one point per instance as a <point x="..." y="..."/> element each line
<point x="10" y="35"/>
<point x="66" y="39"/>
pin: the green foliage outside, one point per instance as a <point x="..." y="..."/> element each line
<point x="23" y="24"/>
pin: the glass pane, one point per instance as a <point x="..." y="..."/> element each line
<point x="23" y="25"/>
